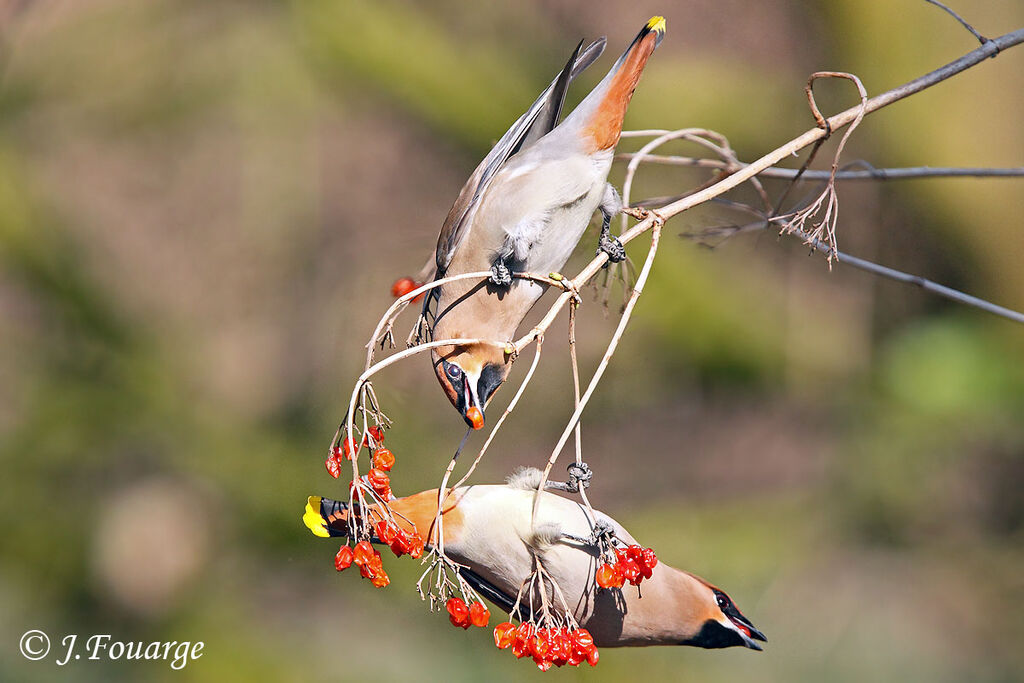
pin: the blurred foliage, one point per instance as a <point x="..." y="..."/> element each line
<point x="202" y="205"/>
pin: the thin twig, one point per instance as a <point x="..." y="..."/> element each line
<point x="871" y="267"/>
<point x="981" y="39"/>
<point x="870" y="173"/>
<point x="638" y="288"/>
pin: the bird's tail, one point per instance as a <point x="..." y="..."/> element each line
<point x="600" y="114"/>
<point x="325" y="517"/>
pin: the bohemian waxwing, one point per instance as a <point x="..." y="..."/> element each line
<point x="488" y="529"/>
<point x="524" y="209"/>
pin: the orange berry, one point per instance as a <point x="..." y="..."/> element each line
<point x="479" y="615"/>
<point x="363" y="553"/>
<point x="475" y="416"/>
<point x="504" y="633"/>
<point x="605" y="576"/>
<point x="333" y="466"/>
<point x="379" y="480"/>
<point x="416" y="546"/>
<point x="458" y="613"/>
<point x="343" y="560"/>
<point x="403" y="286"/>
<point x="582" y="640"/>
<point x="383" y="459"/>
<point x="380" y="580"/>
<point x="387" y="531"/>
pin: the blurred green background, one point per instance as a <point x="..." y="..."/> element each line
<point x="203" y="205"/>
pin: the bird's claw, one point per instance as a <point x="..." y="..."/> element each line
<point x="579" y="478"/>
<point x="613" y="247"/>
<point x="500" y="274"/>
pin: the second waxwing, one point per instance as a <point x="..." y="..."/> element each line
<point x="490" y="529"/>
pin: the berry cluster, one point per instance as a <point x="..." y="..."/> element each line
<point x="547" y="646"/>
<point x="400" y="541"/>
<point x="403" y="286"/>
<point x="462" y="616"/>
<point x="382" y="461"/>
<point x="367" y="559"/>
<point x="633" y="564"/>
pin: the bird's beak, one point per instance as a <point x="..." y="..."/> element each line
<point x="747" y="631"/>
<point x="474" y="414"/>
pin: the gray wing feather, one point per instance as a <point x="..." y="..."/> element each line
<point x="538" y="120"/>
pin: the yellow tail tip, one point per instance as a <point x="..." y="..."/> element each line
<point x="656" y="24"/>
<point x="312" y="518"/>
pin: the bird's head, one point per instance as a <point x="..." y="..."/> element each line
<point x="469" y="376"/>
<point x="721" y="624"/>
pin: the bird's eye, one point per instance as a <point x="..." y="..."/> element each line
<point x="454" y="371"/>
<point x="723" y="601"/>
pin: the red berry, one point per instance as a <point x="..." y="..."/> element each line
<point x="379" y="481"/>
<point x="593" y="657"/>
<point x="347" y="449"/>
<point x="362" y="553"/>
<point x="650" y="559"/>
<point x="582" y="640"/>
<point x="380" y="579"/>
<point x="520" y="649"/>
<point x="561" y="648"/>
<point x="333" y="465"/>
<point x="605" y="576"/>
<point x="479" y="615"/>
<point x="402" y="543"/>
<point x="387" y="531"/>
<point x="620" y="574"/>
<point x="416" y="546"/>
<point x="343" y="560"/>
<point x="635" y="553"/>
<point x="504" y="634"/>
<point x="403" y="286"/>
<point x="458" y="613"/>
<point x="383" y="459"/>
<point x="377" y="433"/>
<point x="630" y="570"/>
<point x="540" y="645"/>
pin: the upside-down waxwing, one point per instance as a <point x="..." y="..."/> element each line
<point x="490" y="530"/>
<point x="524" y="209"/>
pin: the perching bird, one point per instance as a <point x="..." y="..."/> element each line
<point x="488" y="529"/>
<point x="524" y="209"/>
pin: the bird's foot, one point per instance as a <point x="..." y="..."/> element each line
<point x="500" y="274"/>
<point x="613" y="247"/>
<point x="579" y="477"/>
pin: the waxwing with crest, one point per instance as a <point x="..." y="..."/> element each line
<point x="492" y="532"/>
<point x="524" y="209"/>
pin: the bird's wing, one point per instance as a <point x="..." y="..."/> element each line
<point x="538" y="120"/>
<point x="488" y="590"/>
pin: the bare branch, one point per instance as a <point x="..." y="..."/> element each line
<point x="869" y="173"/>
